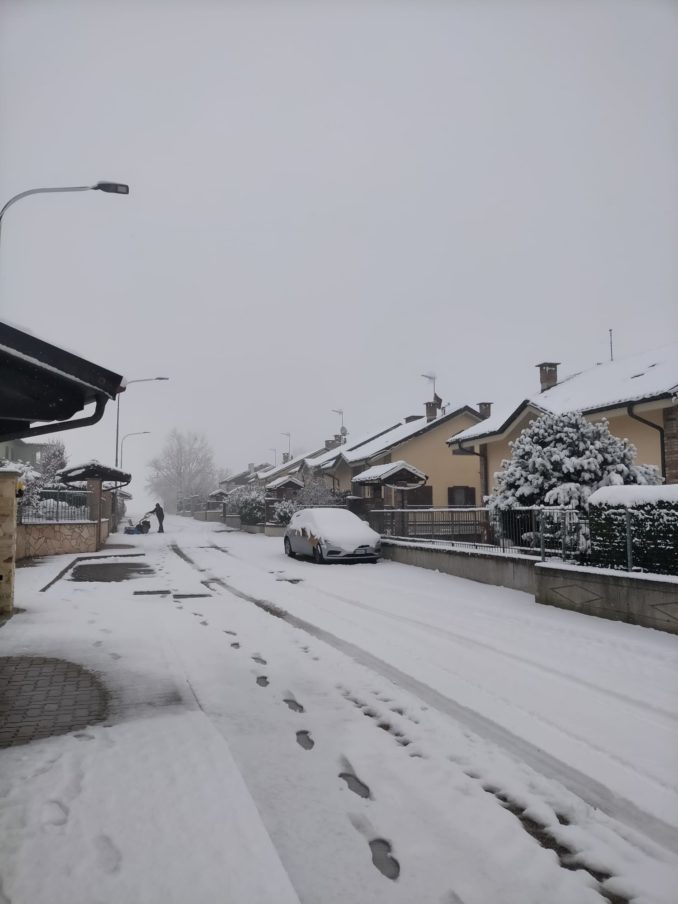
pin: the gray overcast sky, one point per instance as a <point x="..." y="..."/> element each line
<point x="329" y="198"/>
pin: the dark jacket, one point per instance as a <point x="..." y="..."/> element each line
<point x="159" y="512"/>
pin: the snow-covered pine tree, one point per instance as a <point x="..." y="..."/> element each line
<point x="560" y="459"/>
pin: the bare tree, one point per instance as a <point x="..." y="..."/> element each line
<point x="53" y="459"/>
<point x="184" y="468"/>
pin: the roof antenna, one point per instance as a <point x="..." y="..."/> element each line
<point x="611" y="347"/>
<point x="432" y="378"/>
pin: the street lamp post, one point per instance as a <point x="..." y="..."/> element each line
<point x="122" y="443"/>
<point x="111" y="188"/>
<point x="117" y="409"/>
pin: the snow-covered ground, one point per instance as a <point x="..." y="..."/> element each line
<point x="247" y="725"/>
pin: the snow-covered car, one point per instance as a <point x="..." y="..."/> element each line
<point x="331" y="534"/>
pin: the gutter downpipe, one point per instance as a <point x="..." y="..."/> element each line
<point x="662" y="449"/>
<point x="484" y="476"/>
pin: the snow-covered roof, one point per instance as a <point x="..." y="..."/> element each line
<point x="400" y="433"/>
<point x="282" y="481"/>
<point x="381" y="473"/>
<point x="640" y="377"/>
<point x="628" y="496"/>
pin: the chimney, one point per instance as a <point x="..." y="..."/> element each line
<point x="333" y="443"/>
<point x="485" y="409"/>
<point x="250" y="467"/>
<point x="286" y="457"/>
<point x="337" y="439"/>
<point x="412" y="417"/>
<point x="548" y="374"/>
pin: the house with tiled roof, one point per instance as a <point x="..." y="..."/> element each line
<point x="418" y="443"/>
<point x="638" y="395"/>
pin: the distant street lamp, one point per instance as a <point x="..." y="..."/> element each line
<point x="122" y="444"/>
<point x="117" y="409"/>
<point x="111" y="188"/>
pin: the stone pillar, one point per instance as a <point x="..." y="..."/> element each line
<point x="8" y="481"/>
<point x="671" y="443"/>
<point x="94" y="490"/>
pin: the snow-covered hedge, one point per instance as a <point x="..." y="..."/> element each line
<point x="249" y="503"/>
<point x="651" y="515"/>
<point x="283" y="511"/>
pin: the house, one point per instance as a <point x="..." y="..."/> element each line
<point x="637" y="394"/>
<point x="19" y="450"/>
<point x="418" y="444"/>
<point x="242" y="478"/>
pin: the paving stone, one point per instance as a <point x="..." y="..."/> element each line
<point x="41" y="697"/>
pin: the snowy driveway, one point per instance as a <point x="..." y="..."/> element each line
<point x="404" y="735"/>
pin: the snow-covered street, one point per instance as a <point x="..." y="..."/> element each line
<point x="282" y="731"/>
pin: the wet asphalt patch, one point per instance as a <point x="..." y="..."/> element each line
<point x="107" y="572"/>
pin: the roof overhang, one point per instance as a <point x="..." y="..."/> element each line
<point x="480" y="439"/>
<point x="397" y="474"/>
<point x="43" y="383"/>
<point x="94" y="470"/>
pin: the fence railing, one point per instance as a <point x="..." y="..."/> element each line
<point x="537" y="532"/>
<point x="55" y="506"/>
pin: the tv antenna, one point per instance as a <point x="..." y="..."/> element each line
<point x="432" y="379"/>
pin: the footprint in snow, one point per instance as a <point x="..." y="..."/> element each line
<point x="232" y="633"/>
<point x="258" y="658"/>
<point x="383" y="859"/>
<point x="305" y="740"/>
<point x="262" y="681"/>
<point x="236" y="645"/>
<point x="203" y="622"/>
<point x="54" y="813"/>
<point x="107" y="854"/>
<point x="293" y="704"/>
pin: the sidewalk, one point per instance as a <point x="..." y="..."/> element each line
<point x="116" y="787"/>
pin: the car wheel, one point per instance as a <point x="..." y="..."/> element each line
<point x="288" y="549"/>
<point x="318" y="557"/>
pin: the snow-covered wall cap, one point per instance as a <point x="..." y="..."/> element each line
<point x="9" y="470"/>
<point x="632" y="495"/>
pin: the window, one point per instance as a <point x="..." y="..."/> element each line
<point x="419" y="497"/>
<point x="461" y="496"/>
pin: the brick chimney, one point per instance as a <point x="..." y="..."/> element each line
<point x="485" y="409"/>
<point x="286" y="456"/>
<point x="548" y="374"/>
<point x="334" y="442"/>
<point x="250" y="467"/>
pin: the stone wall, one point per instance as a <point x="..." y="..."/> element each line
<point x="503" y="570"/>
<point x="8" y="481"/>
<point x="639" y="599"/>
<point x="55" y="539"/>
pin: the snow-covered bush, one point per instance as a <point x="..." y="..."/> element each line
<point x="315" y="492"/>
<point x="560" y="459"/>
<point x="283" y="511"/>
<point x="249" y="503"/>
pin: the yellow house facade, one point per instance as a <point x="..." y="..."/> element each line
<point x="638" y="396"/>
<point x="421" y="443"/>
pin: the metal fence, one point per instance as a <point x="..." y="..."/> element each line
<point x="537" y="532"/>
<point x="55" y="506"/>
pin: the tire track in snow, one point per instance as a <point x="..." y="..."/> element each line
<point x="588" y="789"/>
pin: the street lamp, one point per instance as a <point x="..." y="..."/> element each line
<point x="122" y="443"/>
<point x="117" y="409"/>
<point x="111" y="188"/>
